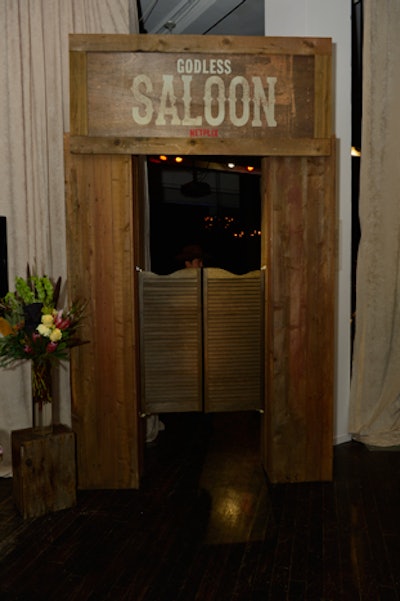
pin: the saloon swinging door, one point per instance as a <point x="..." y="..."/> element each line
<point x="288" y="122"/>
<point x="201" y="341"/>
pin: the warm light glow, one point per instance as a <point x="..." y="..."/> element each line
<point x="231" y="165"/>
<point x="355" y="152"/>
<point x="163" y="157"/>
<point x="230" y="225"/>
<point x="250" y="168"/>
<point x="178" y="159"/>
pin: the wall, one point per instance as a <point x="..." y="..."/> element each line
<point x="325" y="18"/>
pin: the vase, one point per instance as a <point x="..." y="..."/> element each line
<point x="42" y="405"/>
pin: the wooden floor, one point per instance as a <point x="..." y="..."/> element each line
<point x="207" y="526"/>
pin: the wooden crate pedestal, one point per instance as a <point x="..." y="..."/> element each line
<point x="44" y="471"/>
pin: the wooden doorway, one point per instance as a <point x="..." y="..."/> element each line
<point x="299" y="224"/>
<point x="200" y="330"/>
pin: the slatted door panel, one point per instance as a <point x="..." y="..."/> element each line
<point x="171" y="333"/>
<point x="233" y="340"/>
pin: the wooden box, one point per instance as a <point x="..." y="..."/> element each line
<point x="44" y="471"/>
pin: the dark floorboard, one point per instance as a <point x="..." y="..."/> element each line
<point x="207" y="526"/>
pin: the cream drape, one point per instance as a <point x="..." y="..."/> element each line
<point x="375" y="387"/>
<point x="34" y="114"/>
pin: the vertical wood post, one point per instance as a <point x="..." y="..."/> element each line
<point x="300" y="252"/>
<point x="101" y="269"/>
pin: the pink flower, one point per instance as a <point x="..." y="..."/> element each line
<point x="51" y="347"/>
<point x="65" y="323"/>
<point x="61" y="322"/>
<point x="27" y="349"/>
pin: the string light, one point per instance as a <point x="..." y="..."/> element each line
<point x="179" y="160"/>
<point x="229" y="223"/>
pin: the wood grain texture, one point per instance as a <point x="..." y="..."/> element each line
<point x="175" y="95"/>
<point x="200" y="146"/>
<point x="101" y="270"/>
<point x="199" y="43"/>
<point x="170" y="116"/>
<point x="44" y="471"/>
<point x="323" y="115"/>
<point x="78" y="94"/>
<point x="301" y="259"/>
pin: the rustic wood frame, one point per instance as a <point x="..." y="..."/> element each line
<point x="298" y="248"/>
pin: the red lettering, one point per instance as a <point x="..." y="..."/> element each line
<point x="198" y="132"/>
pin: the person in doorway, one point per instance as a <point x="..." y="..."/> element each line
<point x="191" y="256"/>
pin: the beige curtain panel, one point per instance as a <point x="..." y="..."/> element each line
<point x="34" y="114"/>
<point x="375" y="388"/>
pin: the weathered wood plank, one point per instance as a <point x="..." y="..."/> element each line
<point x="78" y="94"/>
<point x="186" y="95"/>
<point x="200" y="146"/>
<point x="301" y="259"/>
<point x="43" y="471"/>
<point x="267" y="95"/>
<point x="323" y="97"/>
<point x="101" y="264"/>
<point x="198" y="43"/>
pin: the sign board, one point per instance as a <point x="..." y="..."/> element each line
<point x="260" y="92"/>
<point x="194" y="95"/>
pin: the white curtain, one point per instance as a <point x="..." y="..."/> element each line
<point x="34" y="114"/>
<point x="375" y="388"/>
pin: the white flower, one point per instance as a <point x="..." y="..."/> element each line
<point x="44" y="330"/>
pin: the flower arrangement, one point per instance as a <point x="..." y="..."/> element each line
<point x="32" y="326"/>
